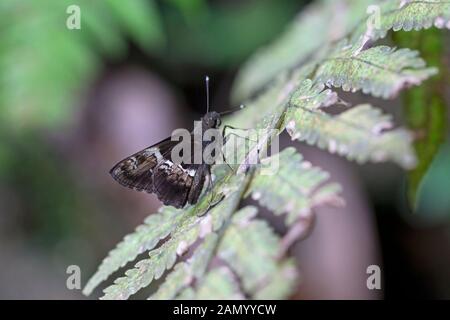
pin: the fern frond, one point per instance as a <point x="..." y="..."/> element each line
<point x="234" y="254"/>
<point x="381" y="71"/>
<point x="306" y="40"/>
<point x="184" y="273"/>
<point x="407" y="15"/>
<point x="293" y="46"/>
<point x="296" y="188"/>
<point x="358" y="133"/>
<point x="155" y="227"/>
<point x="188" y="230"/>
<point x="250" y="248"/>
<point x="250" y="267"/>
<point x="218" y="284"/>
<point x="311" y="31"/>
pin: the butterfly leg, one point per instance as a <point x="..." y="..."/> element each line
<point x="209" y="189"/>
<point x="226" y="137"/>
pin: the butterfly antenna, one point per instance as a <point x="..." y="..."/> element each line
<point x="232" y="110"/>
<point x="207" y="93"/>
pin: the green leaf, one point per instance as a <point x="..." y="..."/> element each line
<point x="358" y="134"/>
<point x="311" y="30"/>
<point x="295" y="189"/>
<point x="293" y="46"/>
<point x="188" y="229"/>
<point x="433" y="202"/>
<point x="219" y="284"/>
<point x="381" y="71"/>
<point x="214" y="250"/>
<point x="185" y="273"/>
<point x="425" y="107"/>
<point x="146" y="237"/>
<point x="251" y="248"/>
<point x="250" y="251"/>
<point x="282" y="282"/>
<point x="407" y="15"/>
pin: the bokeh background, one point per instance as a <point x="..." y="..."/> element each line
<point x="74" y="102"/>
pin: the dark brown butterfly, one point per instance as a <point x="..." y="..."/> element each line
<point x="154" y="171"/>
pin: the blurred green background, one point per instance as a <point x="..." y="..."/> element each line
<point x="74" y="102"/>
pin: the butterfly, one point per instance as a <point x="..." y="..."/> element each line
<point x="154" y="171"/>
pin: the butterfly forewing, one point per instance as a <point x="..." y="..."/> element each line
<point x="136" y="171"/>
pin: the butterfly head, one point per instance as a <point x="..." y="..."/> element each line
<point x="211" y="120"/>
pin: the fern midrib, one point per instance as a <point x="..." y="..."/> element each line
<point x="337" y="118"/>
<point x="347" y="59"/>
<point x="240" y="192"/>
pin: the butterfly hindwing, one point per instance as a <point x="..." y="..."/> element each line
<point x="172" y="182"/>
